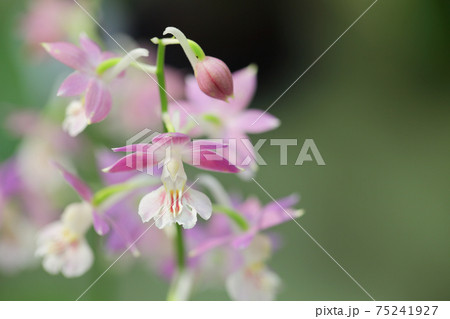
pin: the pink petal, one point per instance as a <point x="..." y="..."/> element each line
<point x="135" y="161"/>
<point x="274" y="218"/>
<point x="106" y="158"/>
<point x="100" y="224"/>
<point x="68" y="54"/>
<point x="78" y="185"/>
<point x="285" y="202"/>
<point x="173" y="138"/>
<point x="108" y="55"/>
<point x="75" y="84"/>
<point x="151" y="204"/>
<point x="98" y="101"/>
<point x="209" y="160"/>
<point x="207" y="145"/>
<point x="133" y="148"/>
<point x="208" y="245"/>
<point x="242" y="241"/>
<point x="197" y="98"/>
<point x="91" y="49"/>
<point x="256" y="121"/>
<point x="244" y="87"/>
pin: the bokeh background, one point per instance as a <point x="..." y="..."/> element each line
<point x="377" y="106"/>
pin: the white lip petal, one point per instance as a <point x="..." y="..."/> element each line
<point x="164" y="218"/>
<point x="78" y="260"/>
<point x="53" y="263"/>
<point x="76" y="120"/>
<point x="151" y="204"/>
<point x="187" y="218"/>
<point x="200" y="202"/>
<point x="245" y="284"/>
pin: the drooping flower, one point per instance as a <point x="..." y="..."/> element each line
<point x="62" y="244"/>
<point x="17" y="239"/>
<point x="173" y="202"/>
<point x="99" y="222"/>
<point x="230" y="121"/>
<point x="41" y="142"/>
<point x="109" y="215"/>
<point x="254" y="280"/>
<point x="90" y="79"/>
<point x="17" y="229"/>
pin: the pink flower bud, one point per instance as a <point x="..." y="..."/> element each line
<point x="214" y="78"/>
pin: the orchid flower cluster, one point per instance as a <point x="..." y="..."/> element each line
<point x="147" y="201"/>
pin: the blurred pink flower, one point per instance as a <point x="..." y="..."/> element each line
<point x="140" y="94"/>
<point x="229" y="120"/>
<point x="88" y="80"/>
<point x="45" y="22"/>
<point x="259" y="218"/>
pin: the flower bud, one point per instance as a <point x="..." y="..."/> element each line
<point x="214" y="78"/>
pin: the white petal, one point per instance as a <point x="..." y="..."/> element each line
<point x="76" y="120"/>
<point x="53" y="263"/>
<point x="200" y="202"/>
<point x="164" y="219"/>
<point x="77" y="217"/>
<point x="250" y="284"/>
<point x="151" y="204"/>
<point x="78" y="260"/>
<point x="259" y="250"/>
<point x="48" y="234"/>
<point x="187" y="218"/>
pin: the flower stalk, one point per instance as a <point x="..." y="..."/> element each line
<point x="168" y="127"/>
<point x="179" y="238"/>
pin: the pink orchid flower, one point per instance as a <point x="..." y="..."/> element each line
<point x="104" y="219"/>
<point x="232" y="119"/>
<point x="88" y="80"/>
<point x="100" y="224"/>
<point x="172" y="202"/>
<point x="258" y="217"/>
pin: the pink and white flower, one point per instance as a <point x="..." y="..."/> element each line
<point x="88" y="80"/>
<point x="62" y="243"/>
<point x="173" y="202"/>
<point x="230" y="120"/>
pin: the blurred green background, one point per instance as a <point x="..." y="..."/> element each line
<point x="376" y="105"/>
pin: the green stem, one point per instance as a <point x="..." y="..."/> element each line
<point x="161" y="78"/>
<point x="194" y="45"/>
<point x="162" y="88"/>
<point x="168" y="127"/>
<point x="107" y="64"/>
<point x="180" y="250"/>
